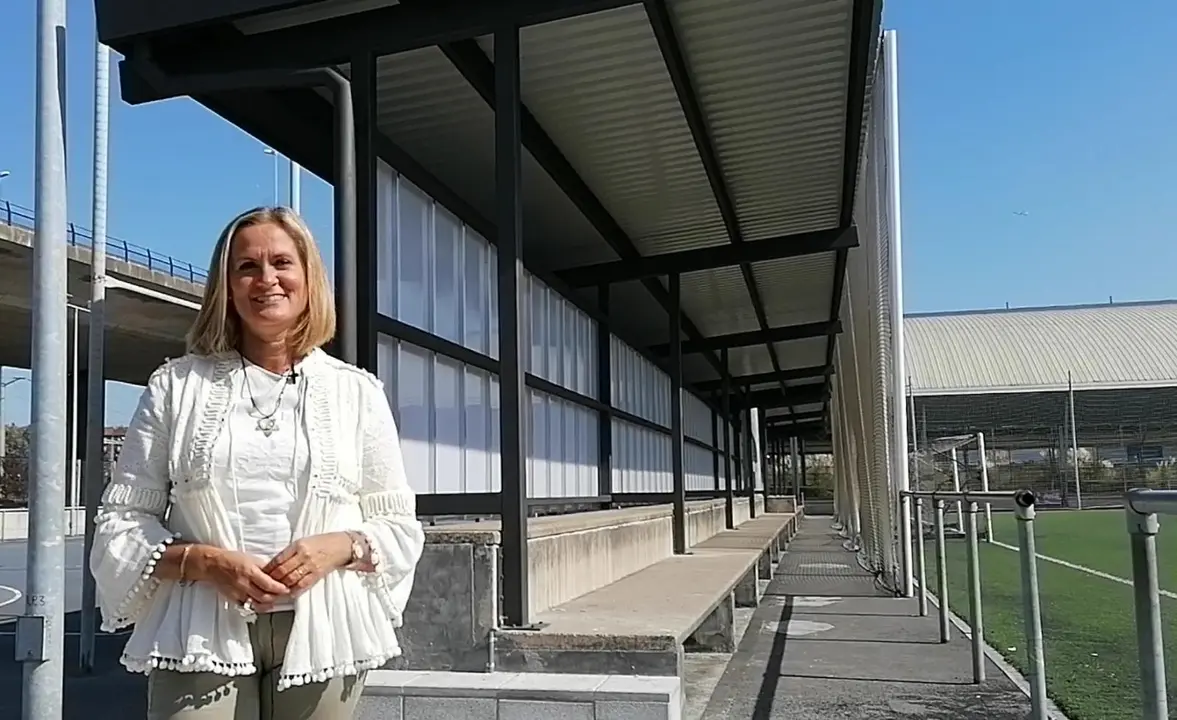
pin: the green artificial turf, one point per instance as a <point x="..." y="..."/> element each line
<point x="1088" y="623"/>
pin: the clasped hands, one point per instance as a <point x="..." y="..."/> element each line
<point x="304" y="562"/>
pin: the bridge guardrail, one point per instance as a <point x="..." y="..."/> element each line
<point x="22" y="217"/>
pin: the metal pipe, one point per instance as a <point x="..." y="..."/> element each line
<point x="1148" y="502"/>
<point x="295" y="187"/>
<point x="1150" y="645"/>
<point x="942" y="573"/>
<point x="955" y="458"/>
<point x="1074" y="440"/>
<point x="976" y="615"/>
<point x="921" y="561"/>
<point x="895" y="292"/>
<point x="94" y="466"/>
<point x="726" y="410"/>
<point x="346" y="251"/>
<point x="1008" y="499"/>
<point x="985" y="487"/>
<point x="39" y="631"/>
<point x="1032" y="611"/>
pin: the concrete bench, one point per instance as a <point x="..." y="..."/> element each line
<point x="408" y="695"/>
<point x="642" y="623"/>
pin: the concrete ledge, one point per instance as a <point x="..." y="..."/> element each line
<point x="408" y="695"/>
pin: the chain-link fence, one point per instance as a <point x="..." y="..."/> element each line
<point x="1073" y="448"/>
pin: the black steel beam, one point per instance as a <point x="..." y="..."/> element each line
<point x="605" y="395"/>
<point x="512" y="383"/>
<point x="749" y="474"/>
<point x="678" y="477"/>
<point x="864" y="38"/>
<point x="786" y="333"/>
<point x="804" y="395"/>
<point x="715" y="449"/>
<point x="121" y="20"/>
<point x="363" y="267"/>
<point x="709" y="258"/>
<point x="726" y="402"/>
<point x="662" y="23"/>
<point x="739" y="381"/>
<point x="773" y="420"/>
<point x="467" y="57"/>
<point x="386" y="30"/>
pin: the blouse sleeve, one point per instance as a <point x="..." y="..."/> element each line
<point x="130" y="537"/>
<point x="389" y="507"/>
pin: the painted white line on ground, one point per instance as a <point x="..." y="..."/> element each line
<point x="1082" y="568"/>
<point x="16" y="595"/>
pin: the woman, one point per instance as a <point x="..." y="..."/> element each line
<point x="258" y="531"/>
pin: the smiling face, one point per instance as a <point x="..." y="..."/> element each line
<point x="267" y="281"/>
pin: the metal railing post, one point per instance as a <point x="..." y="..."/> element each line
<point x="976" y="617"/>
<point x="942" y="573"/>
<point x="1031" y="610"/>
<point x="1143" y="528"/>
<point x="920" y="561"/>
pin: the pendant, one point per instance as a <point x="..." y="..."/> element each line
<point x="267" y="426"/>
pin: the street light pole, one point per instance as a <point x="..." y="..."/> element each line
<point x="274" y="154"/>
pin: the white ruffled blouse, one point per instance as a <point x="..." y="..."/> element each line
<point x="163" y="489"/>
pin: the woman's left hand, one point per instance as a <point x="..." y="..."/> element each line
<point x="308" y="560"/>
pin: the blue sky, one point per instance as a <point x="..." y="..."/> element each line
<point x="1053" y="108"/>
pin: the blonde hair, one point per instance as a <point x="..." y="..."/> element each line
<point x="217" y="328"/>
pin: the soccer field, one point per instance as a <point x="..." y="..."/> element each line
<point x="1088" y="622"/>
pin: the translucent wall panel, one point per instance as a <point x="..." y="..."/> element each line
<point x="698" y="468"/>
<point x="563" y="340"/>
<point x="639" y="387"/>
<point x="641" y="459"/>
<point x="696" y="418"/>
<point x="561" y="448"/>
<point x="448" y="417"/>
<point x="434" y="271"/>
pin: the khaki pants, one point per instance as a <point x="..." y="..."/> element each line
<point x="208" y="696"/>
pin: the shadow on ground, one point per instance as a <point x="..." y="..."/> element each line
<point x="828" y="642"/>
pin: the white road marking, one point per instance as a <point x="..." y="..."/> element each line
<point x="16" y="595"/>
<point x="811" y="602"/>
<point x="823" y="566"/>
<point x="798" y="628"/>
<point x="1082" y="568"/>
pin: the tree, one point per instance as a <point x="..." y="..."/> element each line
<point x="14" y="482"/>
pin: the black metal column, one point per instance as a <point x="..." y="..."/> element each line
<point x="801" y="478"/>
<point x="676" y="428"/>
<point x="764" y="456"/>
<point x="512" y="387"/>
<point x="605" y="395"/>
<point x="363" y="82"/>
<point x="749" y="476"/>
<point x="715" y="448"/>
<point x="347" y="256"/>
<point x="726" y="411"/>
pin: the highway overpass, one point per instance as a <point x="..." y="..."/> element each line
<point x="150" y="303"/>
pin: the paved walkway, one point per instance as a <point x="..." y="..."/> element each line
<point x="850" y="651"/>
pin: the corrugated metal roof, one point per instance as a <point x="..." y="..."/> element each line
<point x="599" y="87"/>
<point x="797" y="290"/>
<point x="772" y="79"/>
<point x="1101" y="347"/>
<point x="425" y="106"/>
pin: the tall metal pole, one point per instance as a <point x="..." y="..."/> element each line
<point x="976" y="614"/>
<point x="955" y="457"/>
<point x="71" y="498"/>
<point x="94" y="467"/>
<point x="1032" y="611"/>
<point x="895" y="267"/>
<point x="985" y="486"/>
<point x="1146" y="594"/>
<point x="295" y="187"/>
<point x="921" y="557"/>
<point x="1074" y="440"/>
<point x="942" y="573"/>
<point x="39" y="631"/>
<point x="678" y="479"/>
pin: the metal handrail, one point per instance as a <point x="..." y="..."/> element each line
<point x="17" y="216"/>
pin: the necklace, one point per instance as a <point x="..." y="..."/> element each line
<point x="267" y="424"/>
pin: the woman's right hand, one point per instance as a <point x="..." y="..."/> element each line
<point x="239" y="577"/>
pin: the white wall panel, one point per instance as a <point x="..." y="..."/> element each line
<point x="562" y="448"/>
<point x="696" y="418"/>
<point x="563" y="340"/>
<point x="698" y="468"/>
<point x="641" y="459"/>
<point x="639" y="387"/>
